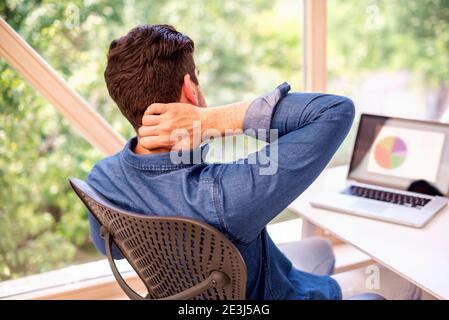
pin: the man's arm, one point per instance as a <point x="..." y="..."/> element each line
<point x="225" y="119"/>
<point x="162" y="124"/>
<point x="310" y="128"/>
<point x="251" y="192"/>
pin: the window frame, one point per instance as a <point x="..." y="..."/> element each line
<point x="92" y="126"/>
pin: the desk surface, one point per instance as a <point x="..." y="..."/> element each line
<point x="419" y="255"/>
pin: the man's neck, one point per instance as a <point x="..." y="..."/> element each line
<point x="138" y="149"/>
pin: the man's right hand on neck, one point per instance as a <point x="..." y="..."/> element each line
<point x="182" y="126"/>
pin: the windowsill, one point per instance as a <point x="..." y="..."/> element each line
<point x="94" y="280"/>
<point x="70" y="278"/>
<point x="98" y="273"/>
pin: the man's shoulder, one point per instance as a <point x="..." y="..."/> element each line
<point x="106" y="166"/>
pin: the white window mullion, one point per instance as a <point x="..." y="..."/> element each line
<point x="54" y="88"/>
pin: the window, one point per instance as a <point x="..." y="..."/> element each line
<point x="390" y="57"/>
<point x="243" y="48"/>
<point x="42" y="223"/>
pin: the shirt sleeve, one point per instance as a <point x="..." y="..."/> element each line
<point x="95" y="227"/>
<point x="258" y="116"/>
<point x="305" y="131"/>
<point x="98" y="241"/>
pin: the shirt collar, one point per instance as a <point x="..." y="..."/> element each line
<point x="165" y="161"/>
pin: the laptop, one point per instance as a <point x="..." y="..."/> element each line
<point x="399" y="172"/>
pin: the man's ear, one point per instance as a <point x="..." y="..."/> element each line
<point x="189" y="91"/>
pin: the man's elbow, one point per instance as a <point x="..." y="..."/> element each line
<point x="346" y="110"/>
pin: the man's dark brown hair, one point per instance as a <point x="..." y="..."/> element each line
<point x="146" y="66"/>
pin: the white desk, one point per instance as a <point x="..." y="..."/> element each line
<point x="419" y="255"/>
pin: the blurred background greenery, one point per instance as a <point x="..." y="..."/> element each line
<point x="389" y="56"/>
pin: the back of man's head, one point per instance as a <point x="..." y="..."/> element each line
<point x="146" y="66"/>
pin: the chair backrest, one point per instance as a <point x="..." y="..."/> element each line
<point x="169" y="253"/>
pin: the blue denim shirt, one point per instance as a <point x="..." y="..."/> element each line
<point x="235" y="197"/>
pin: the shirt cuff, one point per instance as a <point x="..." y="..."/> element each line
<point x="257" y="121"/>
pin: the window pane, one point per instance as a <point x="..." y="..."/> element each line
<point x="243" y="48"/>
<point x="42" y="224"/>
<point x="390" y="57"/>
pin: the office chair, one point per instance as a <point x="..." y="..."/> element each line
<point x="176" y="258"/>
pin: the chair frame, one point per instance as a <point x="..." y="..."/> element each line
<point x="216" y="278"/>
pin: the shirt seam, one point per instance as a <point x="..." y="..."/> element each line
<point x="154" y="167"/>
<point x="216" y="199"/>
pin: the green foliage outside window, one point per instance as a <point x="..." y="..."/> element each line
<point x="243" y="48"/>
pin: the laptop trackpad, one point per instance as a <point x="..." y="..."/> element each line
<point x="369" y="206"/>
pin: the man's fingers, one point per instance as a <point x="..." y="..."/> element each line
<point x="156" y="108"/>
<point x="155" y="142"/>
<point x="150" y="120"/>
<point x="145" y="131"/>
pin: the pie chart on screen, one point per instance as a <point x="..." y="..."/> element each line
<point x="390" y="152"/>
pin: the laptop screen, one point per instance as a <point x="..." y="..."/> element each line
<point x="403" y="154"/>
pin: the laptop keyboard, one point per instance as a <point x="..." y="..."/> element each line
<point x="387" y="196"/>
